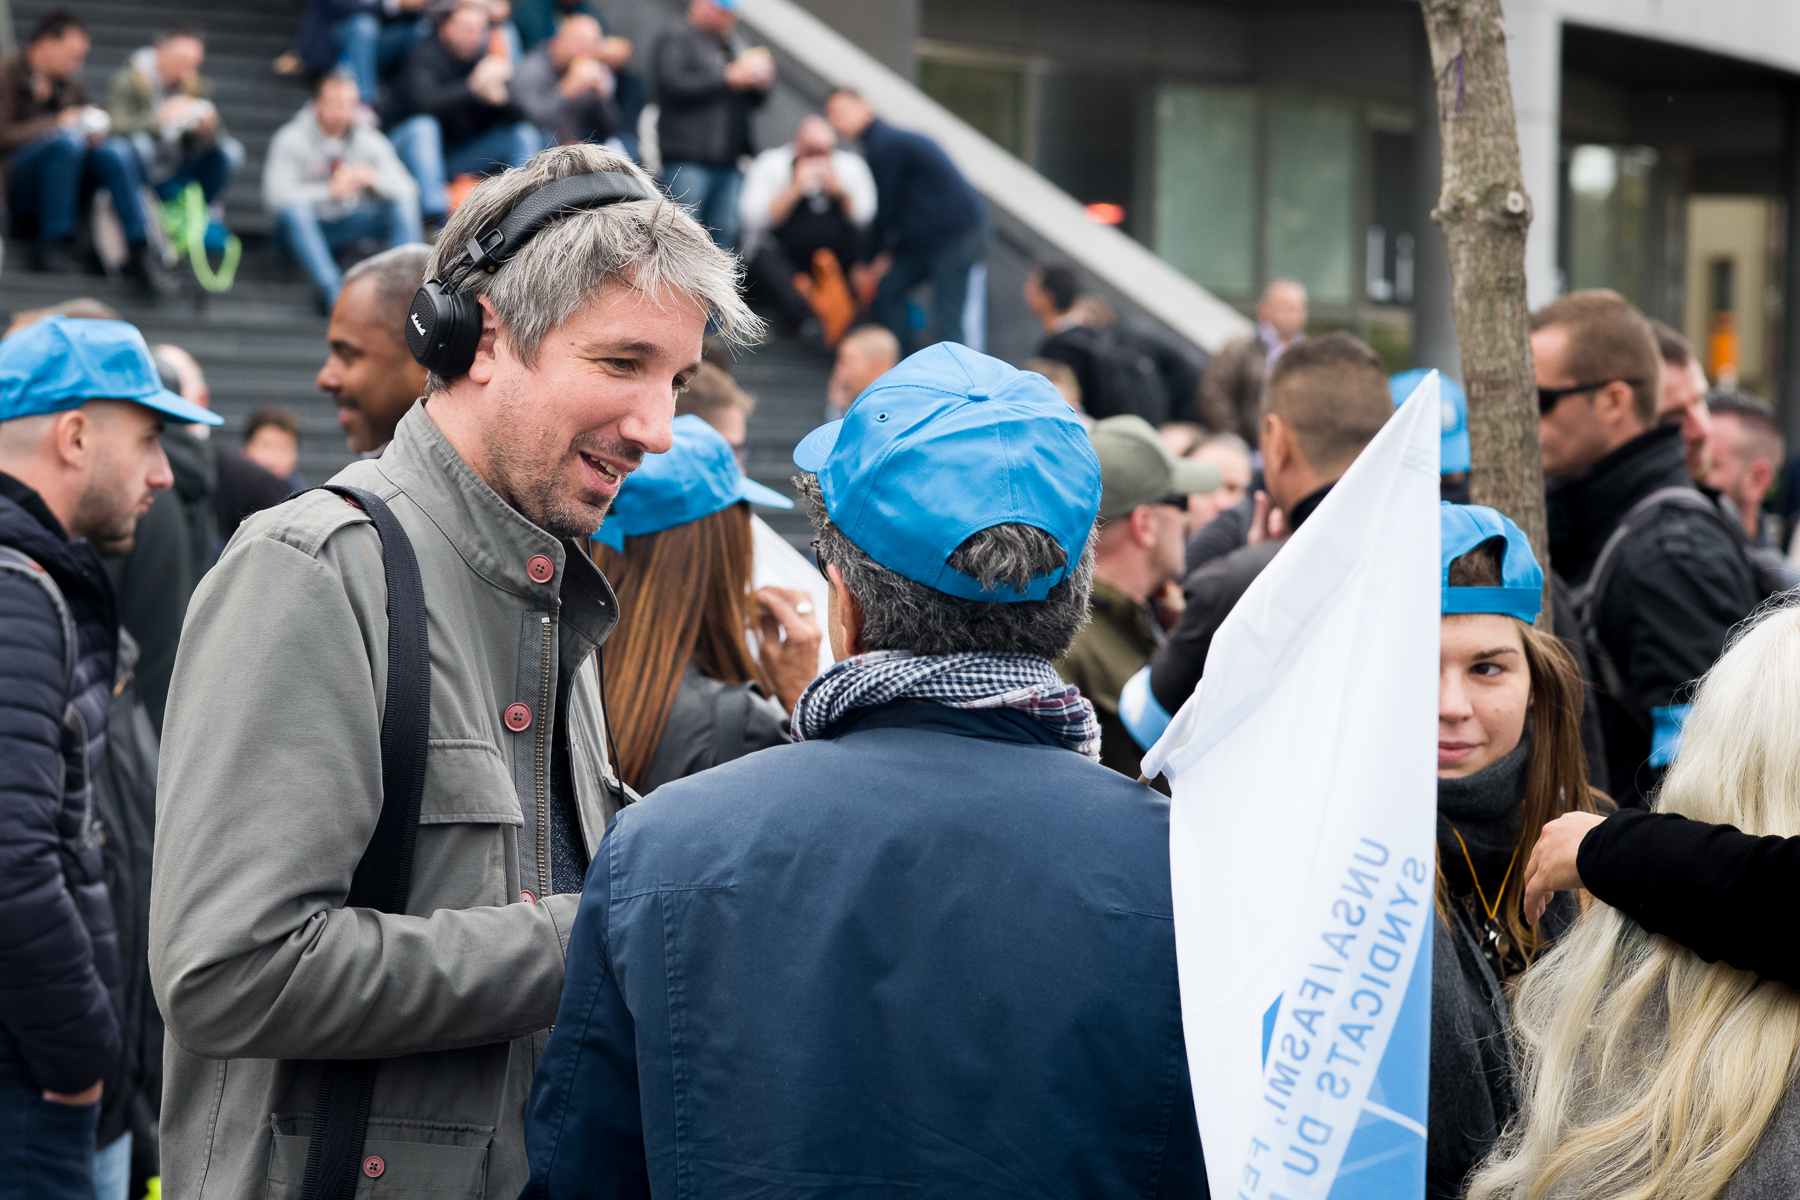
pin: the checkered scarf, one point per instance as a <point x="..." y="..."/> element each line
<point x="1023" y="682"/>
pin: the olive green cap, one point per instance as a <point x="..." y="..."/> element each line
<point x="1136" y="468"/>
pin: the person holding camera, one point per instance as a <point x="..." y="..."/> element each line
<point x="57" y="153"/>
<point x="161" y="104"/>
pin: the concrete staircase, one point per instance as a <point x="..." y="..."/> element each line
<point x="263" y="342"/>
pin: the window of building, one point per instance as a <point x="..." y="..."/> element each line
<point x="989" y="95"/>
<point x="1206" y="185"/>
<point x="1252" y="186"/>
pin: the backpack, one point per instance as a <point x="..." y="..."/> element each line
<point x="1772" y="572"/>
<point x="1126" y="375"/>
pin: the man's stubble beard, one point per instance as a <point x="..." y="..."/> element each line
<point x="107" y="516"/>
<point x="531" y="486"/>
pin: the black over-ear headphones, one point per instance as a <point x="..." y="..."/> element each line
<point x="444" y="326"/>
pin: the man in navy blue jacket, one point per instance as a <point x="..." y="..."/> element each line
<point x="930" y="225"/>
<point x="929" y="947"/>
<point x="80" y="414"/>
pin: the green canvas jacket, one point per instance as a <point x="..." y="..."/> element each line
<point x="269" y="790"/>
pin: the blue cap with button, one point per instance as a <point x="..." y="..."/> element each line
<point x="60" y="363"/>
<point x="945" y="445"/>
<point x="698" y="477"/>
<point x="1521" y="592"/>
<point x="1454" y="448"/>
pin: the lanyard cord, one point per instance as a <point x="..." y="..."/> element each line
<point x="1482" y="896"/>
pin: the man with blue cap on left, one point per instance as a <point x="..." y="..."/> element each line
<point x="929" y="947"/>
<point x="81" y="414"/>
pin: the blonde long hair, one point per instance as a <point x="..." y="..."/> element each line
<point x="1648" y="1072"/>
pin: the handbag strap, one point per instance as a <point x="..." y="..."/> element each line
<point x="383" y="879"/>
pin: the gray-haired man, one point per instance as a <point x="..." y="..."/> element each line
<point x="272" y="768"/>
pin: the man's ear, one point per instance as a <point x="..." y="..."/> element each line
<point x="1615" y="403"/>
<point x="1276" y="442"/>
<point x="846" y="616"/>
<point x="72" y="437"/>
<point x="1143" y="525"/>
<point x="482" y="369"/>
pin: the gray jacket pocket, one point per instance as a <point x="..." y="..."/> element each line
<point x="400" y="1159"/>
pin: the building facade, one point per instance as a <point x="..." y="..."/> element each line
<point x="1249" y="141"/>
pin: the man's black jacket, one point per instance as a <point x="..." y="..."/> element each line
<point x="703" y="119"/>
<point x="435" y="82"/>
<point x="1680" y="585"/>
<point x="1212" y="592"/>
<point x="59" y="951"/>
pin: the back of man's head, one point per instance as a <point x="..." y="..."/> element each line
<point x="394" y="277"/>
<point x="1670" y="344"/>
<point x="715" y="397"/>
<point x="1761" y="430"/>
<point x="1608" y="339"/>
<point x="1332" y="392"/>
<point x="1060" y="284"/>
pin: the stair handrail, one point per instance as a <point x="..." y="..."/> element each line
<point x="1125" y="264"/>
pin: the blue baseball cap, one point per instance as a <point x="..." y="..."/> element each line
<point x="60" y="363"/>
<point x="1521" y="591"/>
<point x="1455" y="445"/>
<point x="698" y="477"/>
<point x="945" y="445"/>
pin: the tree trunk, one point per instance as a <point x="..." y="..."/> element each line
<point x="1484" y="212"/>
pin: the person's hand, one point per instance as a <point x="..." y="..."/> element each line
<point x="349" y="179"/>
<point x="1267" y="523"/>
<point x="68" y="117"/>
<point x="740" y="76"/>
<point x="583" y="77"/>
<point x="615" y="52"/>
<point x="207" y="121"/>
<point x="174" y="109"/>
<point x="488" y="79"/>
<point x="1169" y="602"/>
<point x="1552" y="866"/>
<point x="788" y="641"/>
<point x="87" y="1095"/>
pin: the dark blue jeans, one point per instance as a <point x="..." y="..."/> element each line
<point x="46" y="1149"/>
<point x="946" y="268"/>
<point x="369" y="48"/>
<point x="53" y="177"/>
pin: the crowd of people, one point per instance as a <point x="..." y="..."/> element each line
<point x="413" y="102"/>
<point x="336" y="847"/>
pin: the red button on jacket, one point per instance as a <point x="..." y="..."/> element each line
<point x="517" y="717"/>
<point x="540" y="568"/>
<point x="373" y="1166"/>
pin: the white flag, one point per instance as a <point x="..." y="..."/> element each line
<point x="1302" y="844"/>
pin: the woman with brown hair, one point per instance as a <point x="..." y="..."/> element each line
<point x="684" y="689"/>
<point x="1509" y="760"/>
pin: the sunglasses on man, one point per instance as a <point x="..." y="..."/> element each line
<point x="1549" y="398"/>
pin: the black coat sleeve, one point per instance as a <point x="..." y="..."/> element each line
<point x="1211" y="593"/>
<point x="54" y="1007"/>
<point x="1721" y="893"/>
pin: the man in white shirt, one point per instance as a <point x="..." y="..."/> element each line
<point x="799" y="199"/>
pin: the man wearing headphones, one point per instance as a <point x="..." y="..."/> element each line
<point x="317" y="1041"/>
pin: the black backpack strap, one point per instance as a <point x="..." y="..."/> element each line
<point x="383" y="878"/>
<point x="1588" y="597"/>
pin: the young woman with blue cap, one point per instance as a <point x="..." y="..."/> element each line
<point x="1509" y="760"/>
<point x="685" y="690"/>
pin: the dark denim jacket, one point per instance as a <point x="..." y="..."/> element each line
<point x="932" y="954"/>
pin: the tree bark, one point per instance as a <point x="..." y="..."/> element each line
<point x="1484" y="211"/>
